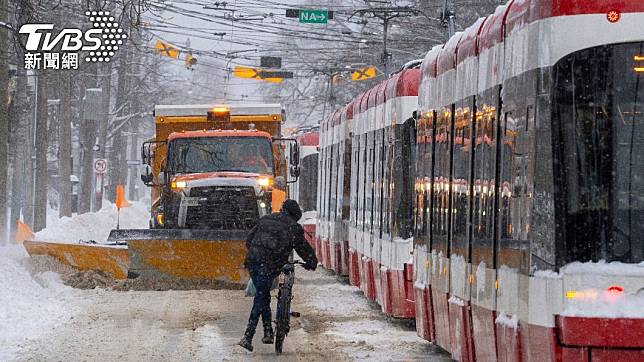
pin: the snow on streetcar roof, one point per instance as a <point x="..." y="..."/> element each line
<point x="447" y="57"/>
<point x="309" y="139"/>
<point x="492" y="32"/>
<point x="336" y="116"/>
<point x="350" y="109"/>
<point x="469" y="45"/>
<point x="406" y="83"/>
<point x="382" y="89"/>
<point x="428" y="68"/>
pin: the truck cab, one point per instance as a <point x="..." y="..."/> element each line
<point x="221" y="170"/>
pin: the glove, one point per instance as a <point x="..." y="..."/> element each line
<point x="311" y="265"/>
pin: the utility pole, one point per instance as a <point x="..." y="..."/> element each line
<point x="92" y="107"/>
<point x="386" y="14"/>
<point x="447" y="19"/>
<point x="65" y="145"/>
<point x="105" y="83"/>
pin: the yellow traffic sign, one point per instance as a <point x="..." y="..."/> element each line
<point x="273" y="80"/>
<point x="364" y="73"/>
<point x="252" y="73"/>
<point x="245" y="72"/>
<point x="166" y="49"/>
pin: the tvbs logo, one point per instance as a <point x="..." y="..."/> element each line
<point x="48" y="50"/>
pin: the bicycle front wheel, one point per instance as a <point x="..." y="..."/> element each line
<point x="282" y="318"/>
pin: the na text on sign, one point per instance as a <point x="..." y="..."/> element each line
<point x="314" y="16"/>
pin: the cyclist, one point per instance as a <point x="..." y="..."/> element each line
<point x="269" y="246"/>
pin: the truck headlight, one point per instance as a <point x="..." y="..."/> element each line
<point x="264" y="181"/>
<point x="178" y="184"/>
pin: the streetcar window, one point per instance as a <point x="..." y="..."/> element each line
<point x="515" y="189"/>
<point x="421" y="174"/>
<point x="429" y="186"/>
<point x="371" y="187"/>
<point x="483" y="188"/>
<point x="441" y="191"/>
<point x="354" y="179"/>
<point x="346" y="189"/>
<point x="598" y="115"/>
<point x="378" y="169"/>
<point x="333" y="176"/>
<point x="460" y="181"/>
<point x="401" y="183"/>
<point x="308" y="182"/>
<point x="388" y="185"/>
<point x="362" y="182"/>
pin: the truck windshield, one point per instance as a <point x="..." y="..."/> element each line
<point x="599" y="116"/>
<point x="221" y="154"/>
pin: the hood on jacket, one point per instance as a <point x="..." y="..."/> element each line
<point x="292" y="208"/>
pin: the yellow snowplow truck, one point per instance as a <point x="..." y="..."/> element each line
<point x="213" y="170"/>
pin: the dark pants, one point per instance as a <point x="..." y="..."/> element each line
<point x="262" y="279"/>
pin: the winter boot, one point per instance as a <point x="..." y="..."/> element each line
<point x="247" y="342"/>
<point x="268" y="335"/>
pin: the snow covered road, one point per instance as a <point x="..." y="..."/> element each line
<point x="41" y="319"/>
<point x="337" y="323"/>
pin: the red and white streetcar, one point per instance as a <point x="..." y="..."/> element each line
<point x="507" y="216"/>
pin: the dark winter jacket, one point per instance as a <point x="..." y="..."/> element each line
<point x="273" y="239"/>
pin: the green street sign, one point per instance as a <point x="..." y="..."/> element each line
<point x="314" y="16"/>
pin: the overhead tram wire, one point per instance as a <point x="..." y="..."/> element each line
<point x="199" y="15"/>
<point x="264" y="28"/>
<point x="250" y="29"/>
<point x="257" y="44"/>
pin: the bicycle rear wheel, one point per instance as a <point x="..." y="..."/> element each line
<point x="282" y="318"/>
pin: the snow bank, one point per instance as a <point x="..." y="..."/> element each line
<point x="507" y="321"/>
<point x="96" y="225"/>
<point x="630" y="306"/>
<point x="29" y="305"/>
<point x="400" y="240"/>
<point x="604" y="268"/>
<point x="604" y="304"/>
<point x="375" y="340"/>
<point x="456" y="301"/>
<point x="547" y="274"/>
<point x="309" y="218"/>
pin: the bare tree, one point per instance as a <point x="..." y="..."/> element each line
<point x="65" y="149"/>
<point x="4" y="118"/>
<point x="42" y="142"/>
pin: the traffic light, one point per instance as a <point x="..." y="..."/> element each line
<point x="190" y="61"/>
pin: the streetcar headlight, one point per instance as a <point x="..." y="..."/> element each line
<point x="588" y="294"/>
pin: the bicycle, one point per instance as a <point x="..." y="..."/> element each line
<point x="283" y="310"/>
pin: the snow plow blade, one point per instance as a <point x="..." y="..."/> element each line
<point x="111" y="259"/>
<point x="176" y="255"/>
